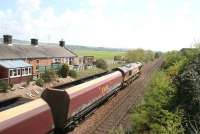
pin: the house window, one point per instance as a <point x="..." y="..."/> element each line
<point x="18" y="71"/>
<point x="15" y="72"/>
<point x="23" y="71"/>
<point x="57" y="60"/>
<point x="70" y="61"/>
<point x="29" y="70"/>
<point x="26" y="71"/>
<point x="67" y="60"/>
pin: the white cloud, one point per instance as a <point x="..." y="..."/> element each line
<point x="95" y="27"/>
<point x="30" y="5"/>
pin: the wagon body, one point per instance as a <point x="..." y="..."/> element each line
<point x="74" y="102"/>
<point x="30" y="118"/>
<point x="84" y="95"/>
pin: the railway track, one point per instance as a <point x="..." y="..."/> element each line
<point x="114" y="113"/>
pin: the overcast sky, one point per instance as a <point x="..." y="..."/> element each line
<point x="149" y="24"/>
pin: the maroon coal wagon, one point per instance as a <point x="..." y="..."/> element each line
<point x="29" y="118"/>
<point x="77" y="100"/>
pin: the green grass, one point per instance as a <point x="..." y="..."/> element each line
<point x="107" y="55"/>
<point x="88" y="72"/>
<point x="94" y="70"/>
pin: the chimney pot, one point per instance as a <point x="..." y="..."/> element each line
<point x="7" y="39"/>
<point x="34" y="42"/>
<point x="62" y="43"/>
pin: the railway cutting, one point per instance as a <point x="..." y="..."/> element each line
<point x="115" y="112"/>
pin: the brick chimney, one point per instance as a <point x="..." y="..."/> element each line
<point x="62" y="43"/>
<point x="7" y="39"/>
<point x="34" y="42"/>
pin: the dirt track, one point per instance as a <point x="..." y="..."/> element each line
<point x="114" y="112"/>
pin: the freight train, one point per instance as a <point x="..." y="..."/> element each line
<point x="60" y="108"/>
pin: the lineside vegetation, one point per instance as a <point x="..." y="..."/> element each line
<point x="171" y="104"/>
<point x="140" y="55"/>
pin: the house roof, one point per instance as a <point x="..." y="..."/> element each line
<point x="28" y="51"/>
<point x="14" y="63"/>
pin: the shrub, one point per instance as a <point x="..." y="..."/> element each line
<point x="4" y="86"/>
<point x="188" y="83"/>
<point x="39" y="82"/>
<point x="177" y="67"/>
<point x="100" y="63"/>
<point x="157" y="55"/>
<point x="64" y="71"/>
<point x="48" y="76"/>
<point x="155" y="114"/>
<point x="139" y="55"/>
<point x="171" y="58"/>
<point x="118" y="130"/>
<point x="73" y="74"/>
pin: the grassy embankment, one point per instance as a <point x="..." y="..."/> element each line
<point x="172" y="97"/>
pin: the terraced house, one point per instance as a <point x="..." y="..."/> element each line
<point x="22" y="62"/>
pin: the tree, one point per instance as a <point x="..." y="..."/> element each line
<point x="157" y="55"/>
<point x="39" y="82"/>
<point x="48" y="75"/>
<point x="139" y="55"/>
<point x="4" y="86"/>
<point x="73" y="74"/>
<point x="102" y="64"/>
<point x="188" y="83"/>
<point x="155" y="114"/>
<point x="64" y="71"/>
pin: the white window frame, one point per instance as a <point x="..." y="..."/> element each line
<point x="11" y="74"/>
<point x="57" y="60"/>
<point x="30" y="70"/>
<point x="23" y="70"/>
<point x="67" y="60"/>
<point x="19" y="69"/>
<point x="26" y="73"/>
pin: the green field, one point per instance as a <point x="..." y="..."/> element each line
<point x="94" y="70"/>
<point x="100" y="54"/>
<point x="89" y="72"/>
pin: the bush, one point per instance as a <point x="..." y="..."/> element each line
<point x="73" y="74"/>
<point x="171" y="58"/>
<point x="188" y="83"/>
<point x="4" y="86"/>
<point x="100" y="63"/>
<point x="118" y="130"/>
<point x="48" y="76"/>
<point x="157" y="55"/>
<point x="155" y="114"/>
<point x="177" y="67"/>
<point x="64" y="71"/>
<point x="39" y="82"/>
<point x="139" y="55"/>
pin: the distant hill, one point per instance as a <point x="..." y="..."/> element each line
<point x="72" y="47"/>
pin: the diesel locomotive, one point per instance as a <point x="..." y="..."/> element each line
<point x="61" y="107"/>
